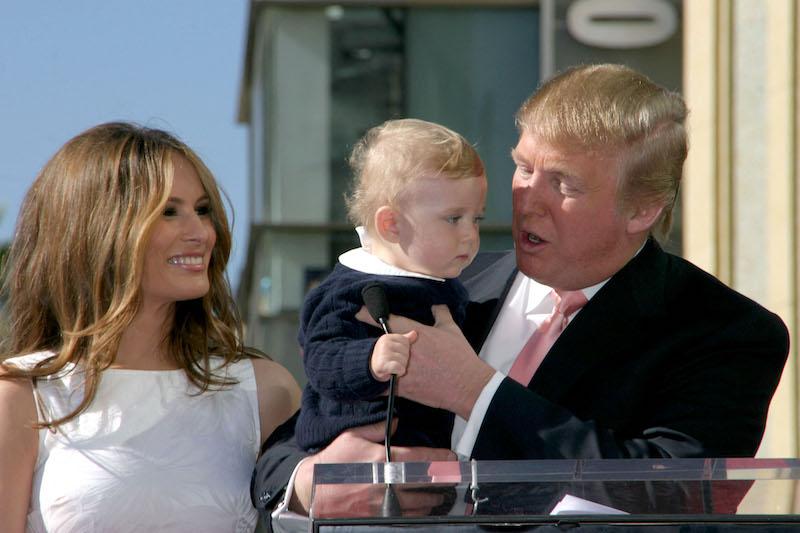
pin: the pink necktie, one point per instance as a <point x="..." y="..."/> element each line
<point x="532" y="354"/>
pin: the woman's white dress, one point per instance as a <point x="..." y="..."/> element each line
<point x="149" y="454"/>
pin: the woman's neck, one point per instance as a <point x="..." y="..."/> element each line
<point x="143" y="346"/>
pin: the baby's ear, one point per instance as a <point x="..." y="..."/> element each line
<point x="386" y="224"/>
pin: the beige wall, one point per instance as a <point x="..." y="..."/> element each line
<point x="740" y="193"/>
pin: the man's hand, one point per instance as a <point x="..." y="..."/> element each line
<point x="443" y="370"/>
<point x="357" y="445"/>
<point x="365" y="500"/>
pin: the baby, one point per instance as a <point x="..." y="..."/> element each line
<point x="419" y="194"/>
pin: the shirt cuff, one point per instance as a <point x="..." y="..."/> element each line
<point x="467" y="441"/>
<point x="284" y="520"/>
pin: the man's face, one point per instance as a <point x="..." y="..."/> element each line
<point x="569" y="232"/>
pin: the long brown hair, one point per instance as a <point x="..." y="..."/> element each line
<point x="73" y="273"/>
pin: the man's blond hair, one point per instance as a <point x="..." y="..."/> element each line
<point x="612" y="107"/>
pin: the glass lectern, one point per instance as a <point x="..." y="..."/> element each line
<point x="686" y="495"/>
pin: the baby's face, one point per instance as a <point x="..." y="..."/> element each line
<point x="438" y="224"/>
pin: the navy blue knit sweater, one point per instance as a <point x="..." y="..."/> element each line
<point x="341" y="392"/>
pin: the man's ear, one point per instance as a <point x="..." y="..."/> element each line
<point x="642" y="218"/>
<point x="386" y="224"/>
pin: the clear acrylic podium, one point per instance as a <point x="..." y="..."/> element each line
<point x="662" y="495"/>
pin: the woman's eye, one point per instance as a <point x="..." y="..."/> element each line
<point x="203" y="210"/>
<point x="478" y="219"/>
<point x="170" y="211"/>
<point x="453" y="219"/>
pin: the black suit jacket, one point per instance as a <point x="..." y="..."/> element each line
<point x="664" y="361"/>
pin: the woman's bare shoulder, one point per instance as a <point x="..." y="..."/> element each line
<point x="278" y="394"/>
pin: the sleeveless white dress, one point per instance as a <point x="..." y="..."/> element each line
<point x="149" y="454"/>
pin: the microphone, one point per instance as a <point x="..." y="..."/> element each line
<point x="378" y="306"/>
<point x="374" y="298"/>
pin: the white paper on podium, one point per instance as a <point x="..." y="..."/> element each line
<point x="570" y="504"/>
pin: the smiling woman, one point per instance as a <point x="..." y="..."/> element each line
<point x="130" y="388"/>
<point x="179" y="251"/>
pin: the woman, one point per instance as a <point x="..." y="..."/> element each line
<point x="131" y="404"/>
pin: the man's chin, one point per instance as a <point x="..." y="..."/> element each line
<point x="533" y="271"/>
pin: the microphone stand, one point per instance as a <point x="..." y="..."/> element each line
<point x="375" y="300"/>
<point x="390" y="505"/>
<point x="390" y="402"/>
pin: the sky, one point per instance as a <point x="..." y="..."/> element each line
<point x="172" y="64"/>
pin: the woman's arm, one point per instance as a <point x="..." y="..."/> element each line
<point x="19" y="444"/>
<point x="278" y="395"/>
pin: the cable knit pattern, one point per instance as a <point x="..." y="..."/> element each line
<point x="341" y="392"/>
<point x="149" y="454"/>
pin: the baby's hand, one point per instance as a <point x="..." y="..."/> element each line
<point x="390" y="355"/>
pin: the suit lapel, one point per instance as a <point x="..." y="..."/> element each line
<point x="591" y="338"/>
<point x="487" y="289"/>
<point x="490" y="276"/>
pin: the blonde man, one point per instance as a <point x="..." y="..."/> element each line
<point x="418" y="197"/>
